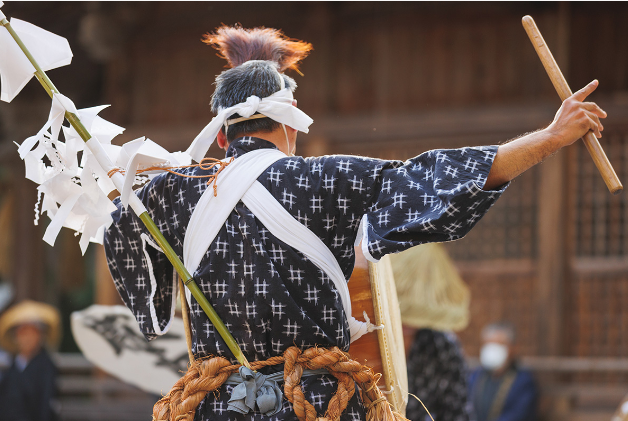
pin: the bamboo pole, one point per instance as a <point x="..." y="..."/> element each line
<point x="560" y="84"/>
<point x="137" y="206"/>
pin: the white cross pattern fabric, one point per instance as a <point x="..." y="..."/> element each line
<point x="268" y="294"/>
<point x="240" y="178"/>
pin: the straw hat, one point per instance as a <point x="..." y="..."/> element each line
<point x="29" y="312"/>
<point x="430" y="291"/>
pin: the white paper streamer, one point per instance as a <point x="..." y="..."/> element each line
<point x="74" y="194"/>
<point x="49" y="50"/>
<point x="70" y="192"/>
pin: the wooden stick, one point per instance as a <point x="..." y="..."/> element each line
<point x="185" y="315"/>
<point x="558" y="80"/>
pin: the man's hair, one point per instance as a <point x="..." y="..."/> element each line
<point x="257" y="57"/>
<point x="233" y="86"/>
<point x="503" y="327"/>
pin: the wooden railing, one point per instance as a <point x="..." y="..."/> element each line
<point x="568" y="364"/>
<point x="88" y="394"/>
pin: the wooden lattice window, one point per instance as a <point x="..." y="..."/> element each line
<point x="601" y="220"/>
<point x="599" y="287"/>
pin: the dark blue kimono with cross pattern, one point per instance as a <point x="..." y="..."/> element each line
<point x="267" y="293"/>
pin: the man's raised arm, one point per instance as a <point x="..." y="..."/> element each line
<point x="573" y="120"/>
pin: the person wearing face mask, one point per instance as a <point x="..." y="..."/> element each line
<point x="500" y="390"/>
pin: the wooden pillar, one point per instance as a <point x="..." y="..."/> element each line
<point x="382" y="73"/>
<point x="319" y="85"/>
<point x="552" y="225"/>
<point x="551" y="258"/>
<point x="27" y="272"/>
<point x="21" y="119"/>
<point x="106" y="293"/>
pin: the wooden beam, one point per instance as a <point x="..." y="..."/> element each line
<point x="495" y="267"/>
<point x="106" y="293"/>
<point x="569" y="364"/>
<point x="27" y="274"/>
<point x="610" y="266"/>
<point x="551" y="274"/>
<point x="552" y="226"/>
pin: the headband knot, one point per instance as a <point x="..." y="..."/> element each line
<point x="249" y="107"/>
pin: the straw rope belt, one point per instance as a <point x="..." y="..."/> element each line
<point x="209" y="374"/>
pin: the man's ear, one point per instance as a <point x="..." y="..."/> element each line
<point x="221" y="138"/>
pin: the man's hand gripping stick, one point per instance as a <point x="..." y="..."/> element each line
<point x="558" y="80"/>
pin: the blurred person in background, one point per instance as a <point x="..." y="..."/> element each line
<point x="500" y="390"/>
<point x="27" y="388"/>
<point x="434" y="301"/>
<point x="6" y="294"/>
<point x="5" y="362"/>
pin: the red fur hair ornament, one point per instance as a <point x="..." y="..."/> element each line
<point x="238" y="45"/>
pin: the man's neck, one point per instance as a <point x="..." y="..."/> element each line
<point x="276" y="137"/>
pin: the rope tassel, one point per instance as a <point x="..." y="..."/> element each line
<point x="209" y="374"/>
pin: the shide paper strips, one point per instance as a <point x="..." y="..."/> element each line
<point x="74" y="192"/>
<point x="49" y="50"/>
<point x="73" y="189"/>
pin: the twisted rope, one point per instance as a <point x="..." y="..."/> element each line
<point x="205" y="164"/>
<point x="208" y="375"/>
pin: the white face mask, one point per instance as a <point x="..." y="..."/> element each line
<point x="493" y="356"/>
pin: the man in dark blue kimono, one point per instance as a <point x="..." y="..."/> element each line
<point x="500" y="390"/>
<point x="267" y="293"/>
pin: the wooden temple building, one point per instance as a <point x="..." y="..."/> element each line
<point x="389" y="80"/>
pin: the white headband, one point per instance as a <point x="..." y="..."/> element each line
<point x="277" y="107"/>
<point x="282" y="85"/>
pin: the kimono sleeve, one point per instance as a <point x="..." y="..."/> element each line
<point x="143" y="276"/>
<point x="434" y="197"/>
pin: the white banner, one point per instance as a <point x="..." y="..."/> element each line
<point x="109" y="337"/>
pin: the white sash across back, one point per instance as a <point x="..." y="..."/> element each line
<point x="238" y="181"/>
<point x="211" y="211"/>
